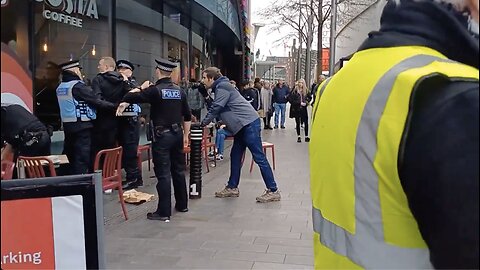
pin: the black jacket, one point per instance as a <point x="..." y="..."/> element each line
<point x="439" y="164"/>
<point x="16" y="120"/>
<point x="109" y="86"/>
<point x="82" y="92"/>
<point x="295" y="100"/>
<point x="252" y="95"/>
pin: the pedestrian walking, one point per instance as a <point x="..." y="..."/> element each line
<point x="23" y="133"/>
<point x="395" y="144"/>
<point x="243" y="122"/>
<point x="129" y="131"/>
<point x="78" y="106"/>
<point x="170" y="125"/>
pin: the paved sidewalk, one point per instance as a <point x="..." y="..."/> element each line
<point x="229" y="233"/>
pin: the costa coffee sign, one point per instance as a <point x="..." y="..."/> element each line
<point x="68" y="11"/>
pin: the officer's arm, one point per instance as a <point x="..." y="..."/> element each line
<point x="85" y="93"/>
<point x="221" y="99"/>
<point x="143" y="96"/>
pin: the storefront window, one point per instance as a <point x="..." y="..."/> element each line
<point x="63" y="33"/>
<point x="139" y="35"/>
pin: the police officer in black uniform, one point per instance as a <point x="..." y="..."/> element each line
<point x="24" y="134"/>
<point x="78" y="105"/>
<point x="169" y="109"/>
<point x="129" y="131"/>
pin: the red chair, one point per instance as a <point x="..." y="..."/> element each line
<point x="7" y="169"/>
<point x="265" y="146"/>
<point x="34" y="166"/>
<point x="140" y="150"/>
<point x="111" y="172"/>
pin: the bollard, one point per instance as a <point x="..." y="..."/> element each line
<point x="196" y="135"/>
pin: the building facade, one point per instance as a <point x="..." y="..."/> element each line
<point x="37" y="35"/>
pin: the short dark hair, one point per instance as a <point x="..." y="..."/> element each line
<point x="212" y="72"/>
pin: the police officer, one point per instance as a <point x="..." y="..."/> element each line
<point x="129" y="131"/>
<point x="24" y="134"/>
<point x="169" y="108"/>
<point x="77" y="109"/>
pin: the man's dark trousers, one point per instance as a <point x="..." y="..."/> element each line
<point x="169" y="163"/>
<point x="129" y="136"/>
<point x="77" y="147"/>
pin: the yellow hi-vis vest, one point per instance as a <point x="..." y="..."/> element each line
<point x="361" y="217"/>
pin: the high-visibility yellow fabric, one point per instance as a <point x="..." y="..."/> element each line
<point x="338" y="113"/>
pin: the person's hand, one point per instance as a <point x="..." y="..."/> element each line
<point x="185" y="141"/>
<point x="142" y="120"/>
<point x="145" y="84"/>
<point x="135" y="90"/>
<point x="121" y="107"/>
<point x="223" y="126"/>
<point x="125" y="78"/>
<point x="303" y="103"/>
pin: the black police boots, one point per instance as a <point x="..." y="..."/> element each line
<point x="133" y="184"/>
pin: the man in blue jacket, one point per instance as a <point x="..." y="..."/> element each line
<point x="242" y="120"/>
<point x="280" y="93"/>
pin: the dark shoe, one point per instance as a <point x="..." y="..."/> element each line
<point x="299" y="139"/>
<point x="156" y="216"/>
<point x="282" y="127"/>
<point x="275" y="127"/>
<point x="269" y="127"/>
<point x="133" y="184"/>
<point x="184" y="210"/>
<point x="307" y="139"/>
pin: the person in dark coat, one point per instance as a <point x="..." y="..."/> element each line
<point x="23" y="133"/>
<point x="111" y="86"/>
<point x="299" y="99"/>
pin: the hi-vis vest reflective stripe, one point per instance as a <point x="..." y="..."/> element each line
<point x="70" y="109"/>
<point x="132" y="110"/>
<point x="361" y="217"/>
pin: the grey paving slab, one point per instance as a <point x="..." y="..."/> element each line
<point x="299" y="259"/>
<point x="274" y="266"/>
<point x="283" y="241"/>
<point x="290" y="250"/>
<point x="207" y="263"/>
<point x="250" y="256"/>
<point x="230" y="233"/>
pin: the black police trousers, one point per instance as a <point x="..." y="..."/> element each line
<point x="77" y="147"/>
<point x="128" y="137"/>
<point x="169" y="163"/>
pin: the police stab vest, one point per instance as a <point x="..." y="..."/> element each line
<point x="361" y="217"/>
<point x="72" y="110"/>
<point x="132" y="110"/>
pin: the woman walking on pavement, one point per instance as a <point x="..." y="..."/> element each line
<point x="266" y="96"/>
<point x="299" y="100"/>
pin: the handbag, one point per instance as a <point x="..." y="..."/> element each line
<point x="261" y="113"/>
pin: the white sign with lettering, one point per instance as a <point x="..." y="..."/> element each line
<point x="62" y="10"/>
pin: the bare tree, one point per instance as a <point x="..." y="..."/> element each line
<point x="307" y="18"/>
